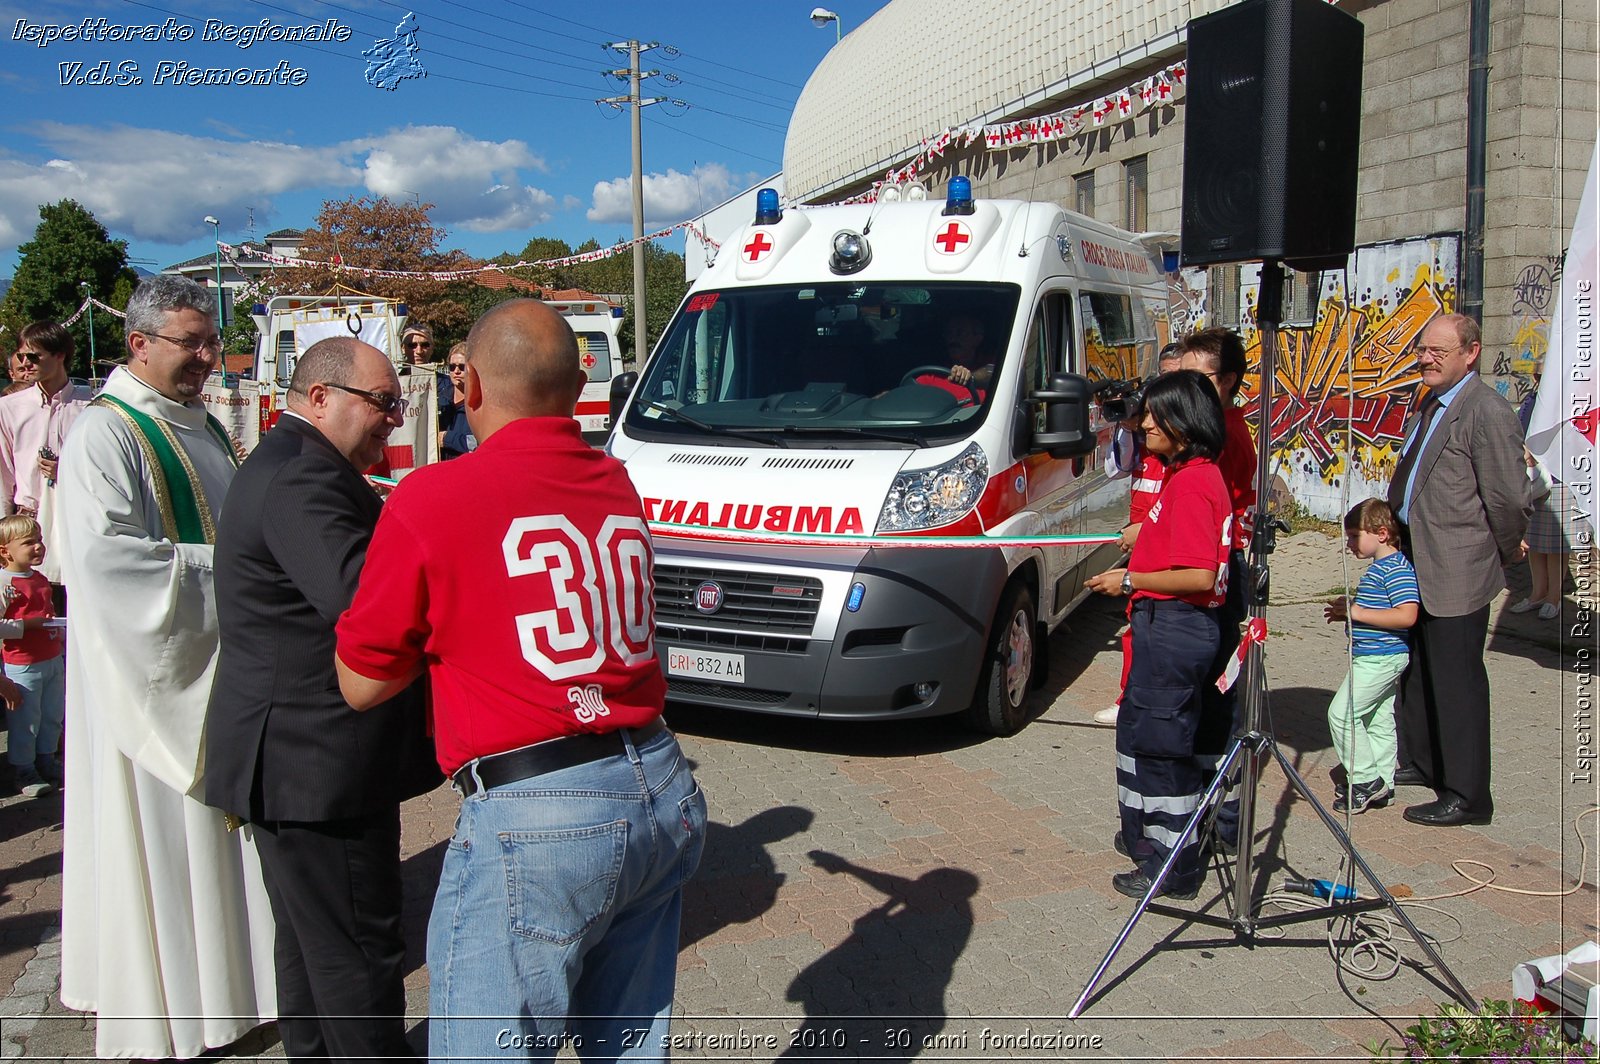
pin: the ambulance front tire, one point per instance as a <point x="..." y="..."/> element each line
<point x="1000" y="704"/>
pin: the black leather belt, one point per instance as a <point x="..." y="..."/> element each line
<point x="497" y="770"/>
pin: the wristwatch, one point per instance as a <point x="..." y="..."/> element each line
<point x="1127" y="582"/>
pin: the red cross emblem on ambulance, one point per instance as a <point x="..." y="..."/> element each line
<point x="588" y="360"/>
<point x="759" y="245"/>
<point x="952" y="239"/>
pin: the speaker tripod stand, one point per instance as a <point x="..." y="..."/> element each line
<point x="1252" y="744"/>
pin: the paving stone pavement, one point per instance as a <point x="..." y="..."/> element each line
<point x="898" y="891"/>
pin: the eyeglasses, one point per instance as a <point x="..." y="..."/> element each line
<point x="35" y="357"/>
<point x="419" y="343"/>
<point x="190" y="344"/>
<point x="389" y="405"/>
<point x="457" y="367"/>
<point x="1436" y="352"/>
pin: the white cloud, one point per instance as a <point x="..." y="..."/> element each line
<point x="157" y="185"/>
<point x="668" y="197"/>
<point x="473" y="184"/>
<point x="153" y="184"/>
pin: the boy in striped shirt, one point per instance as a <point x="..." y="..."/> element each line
<point x="1361" y="716"/>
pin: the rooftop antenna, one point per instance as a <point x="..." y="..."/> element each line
<point x="250" y="223"/>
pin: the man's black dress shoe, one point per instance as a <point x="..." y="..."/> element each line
<point x="1410" y="776"/>
<point x="1445" y="813"/>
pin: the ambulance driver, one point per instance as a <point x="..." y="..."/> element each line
<point x="1176" y="578"/>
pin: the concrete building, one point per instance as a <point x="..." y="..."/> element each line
<point x="1110" y="79"/>
<point x="243" y="269"/>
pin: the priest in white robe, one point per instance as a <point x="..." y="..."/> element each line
<point x="167" y="932"/>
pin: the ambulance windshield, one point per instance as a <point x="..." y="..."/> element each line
<point x="809" y="365"/>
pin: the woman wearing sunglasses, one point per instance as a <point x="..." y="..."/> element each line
<point x="455" y="438"/>
<point x="1176" y="580"/>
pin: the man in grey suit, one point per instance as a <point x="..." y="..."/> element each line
<point x="322" y="784"/>
<point x="1461" y="492"/>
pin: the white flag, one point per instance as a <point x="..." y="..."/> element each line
<point x="1561" y="432"/>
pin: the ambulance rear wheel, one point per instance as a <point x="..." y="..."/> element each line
<point x="1000" y="705"/>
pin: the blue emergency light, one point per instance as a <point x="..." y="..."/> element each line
<point x="768" y="212"/>
<point x="958" y="196"/>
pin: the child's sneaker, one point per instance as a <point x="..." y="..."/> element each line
<point x="1373" y="794"/>
<point x="49" y="766"/>
<point x="31" y="784"/>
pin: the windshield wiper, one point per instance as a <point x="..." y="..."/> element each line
<point x="907" y="436"/>
<point x="706" y="427"/>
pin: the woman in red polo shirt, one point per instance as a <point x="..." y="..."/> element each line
<point x="1176" y="579"/>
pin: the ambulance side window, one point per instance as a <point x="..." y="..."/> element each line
<point x="1046" y="350"/>
<point x="1109" y="336"/>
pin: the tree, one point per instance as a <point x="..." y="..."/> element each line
<point x="385" y="235"/>
<point x="70" y="246"/>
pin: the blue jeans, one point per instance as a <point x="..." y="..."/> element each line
<point x="556" y="921"/>
<point x="33" y="729"/>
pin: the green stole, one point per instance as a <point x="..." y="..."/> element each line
<point x="185" y="513"/>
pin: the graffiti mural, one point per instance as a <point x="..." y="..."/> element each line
<point x="1512" y="372"/>
<point x="1345" y="385"/>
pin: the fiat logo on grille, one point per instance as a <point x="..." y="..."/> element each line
<point x="708" y="597"/>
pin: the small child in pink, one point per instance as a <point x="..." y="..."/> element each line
<point x="33" y="659"/>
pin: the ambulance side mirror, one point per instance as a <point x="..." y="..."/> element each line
<point x="621" y="385"/>
<point x="1066" y="416"/>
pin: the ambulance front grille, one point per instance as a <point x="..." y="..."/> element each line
<point x="699" y="637"/>
<point x="752" y="602"/>
<point x="737" y="692"/>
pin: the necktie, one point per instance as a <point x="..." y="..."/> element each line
<point x="1413" y="450"/>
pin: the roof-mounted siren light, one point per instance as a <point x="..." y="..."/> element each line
<point x="888" y="194"/>
<point x="768" y="212"/>
<point x="617" y="312"/>
<point x="958" y="196"/>
<point x="1165" y="245"/>
<point x="916" y="193"/>
<point x="258" y="314"/>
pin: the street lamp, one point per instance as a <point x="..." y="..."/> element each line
<point x="216" y="236"/>
<point x="88" y="306"/>
<point x="821" y="16"/>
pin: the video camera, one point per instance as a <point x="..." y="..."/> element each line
<point x="1120" y="400"/>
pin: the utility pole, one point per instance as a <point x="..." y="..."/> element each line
<point x="634" y="76"/>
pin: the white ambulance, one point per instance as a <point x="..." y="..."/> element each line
<point x="595" y="321"/>
<point x="286" y="326"/>
<point x="841" y="531"/>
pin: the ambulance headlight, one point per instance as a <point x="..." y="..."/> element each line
<point x="932" y="498"/>
<point x="850" y="252"/>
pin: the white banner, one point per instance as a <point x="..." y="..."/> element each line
<point x="238" y="408"/>
<point x="1561" y="432"/>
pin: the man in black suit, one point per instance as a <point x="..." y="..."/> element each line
<point x="322" y="784"/>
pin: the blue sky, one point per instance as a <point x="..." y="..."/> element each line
<point x="503" y="135"/>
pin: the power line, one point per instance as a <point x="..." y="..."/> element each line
<point x="668" y="125"/>
<point x="672" y="51"/>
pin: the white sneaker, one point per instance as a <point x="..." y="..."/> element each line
<point x="1524" y="606"/>
<point x="1549" y="611"/>
<point x="31" y="784"/>
<point x="1107" y="715"/>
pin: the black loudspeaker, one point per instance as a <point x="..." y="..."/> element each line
<point x="1272" y="128"/>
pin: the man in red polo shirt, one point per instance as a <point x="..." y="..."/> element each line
<point x="519" y="577"/>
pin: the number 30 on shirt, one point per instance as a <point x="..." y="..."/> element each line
<point x="595" y="607"/>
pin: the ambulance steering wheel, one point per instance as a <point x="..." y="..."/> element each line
<point x="934" y="369"/>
